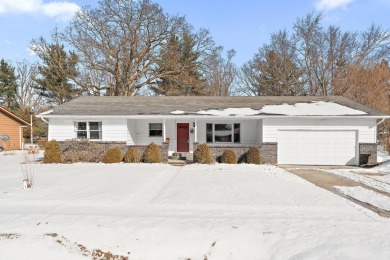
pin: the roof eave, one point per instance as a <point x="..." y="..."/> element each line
<point x="214" y="117"/>
<point x="15" y="117"/>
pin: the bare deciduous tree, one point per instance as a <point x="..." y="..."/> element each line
<point x="220" y="73"/>
<point x="27" y="96"/>
<point x="123" y="39"/>
<point x="319" y="55"/>
<point x="321" y="52"/>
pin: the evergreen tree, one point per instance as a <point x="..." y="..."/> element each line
<point x="8" y="84"/>
<point x="55" y="74"/>
<point x="180" y="63"/>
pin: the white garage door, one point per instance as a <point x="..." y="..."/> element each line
<point x="317" y="147"/>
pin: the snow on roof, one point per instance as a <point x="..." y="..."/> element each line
<point x="244" y="111"/>
<point x="47" y="112"/>
<point x="315" y="108"/>
<point x="178" y="112"/>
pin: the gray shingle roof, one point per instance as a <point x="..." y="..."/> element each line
<point x="164" y="105"/>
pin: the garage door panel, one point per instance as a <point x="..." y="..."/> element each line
<point x="317" y="147"/>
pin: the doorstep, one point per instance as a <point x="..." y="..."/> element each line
<point x="177" y="162"/>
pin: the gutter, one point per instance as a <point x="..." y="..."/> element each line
<point x="208" y="117"/>
<point x="44" y="120"/>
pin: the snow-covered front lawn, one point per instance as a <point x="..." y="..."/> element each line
<point x="159" y="211"/>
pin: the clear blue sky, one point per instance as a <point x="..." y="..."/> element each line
<point x="242" y="25"/>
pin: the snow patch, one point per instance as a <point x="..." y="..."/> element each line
<point x="374" y="198"/>
<point x="361" y="178"/>
<point x="178" y="112"/>
<point x="245" y="111"/>
<point x="382" y="155"/>
<point x="315" y="108"/>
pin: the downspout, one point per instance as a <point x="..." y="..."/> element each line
<point x="41" y="117"/>
<point x="164" y="132"/>
<point x="21" y="136"/>
<point x="376" y="128"/>
<point x="380" y="122"/>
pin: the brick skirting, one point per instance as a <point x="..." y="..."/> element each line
<point x="122" y="145"/>
<point x="105" y="144"/>
<point x="367" y="154"/>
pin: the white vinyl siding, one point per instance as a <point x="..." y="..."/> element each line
<point x="366" y="127"/>
<point x="64" y="129"/>
<point x="140" y="132"/>
<point x="61" y="129"/>
<point x="114" y="130"/>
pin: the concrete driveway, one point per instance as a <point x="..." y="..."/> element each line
<point x="328" y="181"/>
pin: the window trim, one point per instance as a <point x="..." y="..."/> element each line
<point x="213" y="133"/>
<point x="88" y="130"/>
<point x="162" y="130"/>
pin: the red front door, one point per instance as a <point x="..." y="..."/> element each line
<point x="183" y="137"/>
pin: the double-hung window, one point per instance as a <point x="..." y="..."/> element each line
<point x="155" y="130"/>
<point x="88" y="130"/>
<point x="223" y="133"/>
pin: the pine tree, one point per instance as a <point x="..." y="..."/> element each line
<point x="55" y="74"/>
<point x="180" y="63"/>
<point x="8" y="84"/>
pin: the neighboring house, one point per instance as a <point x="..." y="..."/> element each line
<point x="288" y="130"/>
<point x="11" y="125"/>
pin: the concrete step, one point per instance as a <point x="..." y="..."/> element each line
<point x="182" y="156"/>
<point x="174" y="162"/>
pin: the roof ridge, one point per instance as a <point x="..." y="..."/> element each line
<point x="10" y="114"/>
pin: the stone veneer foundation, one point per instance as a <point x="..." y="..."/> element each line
<point x="268" y="151"/>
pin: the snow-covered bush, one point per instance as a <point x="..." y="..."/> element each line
<point x="113" y="155"/>
<point x="152" y="154"/>
<point x="202" y="154"/>
<point x="229" y="157"/>
<point x="82" y="151"/>
<point x="253" y="155"/>
<point x="52" y="152"/>
<point x="133" y="155"/>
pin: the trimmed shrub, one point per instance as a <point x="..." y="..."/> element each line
<point x="202" y="154"/>
<point x="133" y="155"/>
<point x="152" y="153"/>
<point x="113" y="155"/>
<point x="253" y="155"/>
<point x="52" y="152"/>
<point x="229" y="157"/>
<point x="82" y="151"/>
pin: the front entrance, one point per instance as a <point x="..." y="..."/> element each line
<point x="183" y="137"/>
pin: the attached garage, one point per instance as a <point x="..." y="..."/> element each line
<point x="318" y="147"/>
